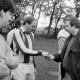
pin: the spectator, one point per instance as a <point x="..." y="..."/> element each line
<point x="6" y="11"/>
<point x="62" y="35"/>
<point x="10" y="34"/>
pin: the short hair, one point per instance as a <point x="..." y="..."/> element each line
<point x="73" y="20"/>
<point x="67" y="17"/>
<point x="18" y="22"/>
<point x="29" y="20"/>
<point x="7" y="5"/>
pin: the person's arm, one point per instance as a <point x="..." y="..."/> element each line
<point x="19" y="42"/>
<point x="57" y="57"/>
<point x="10" y="38"/>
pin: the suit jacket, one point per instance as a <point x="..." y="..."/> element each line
<point x="75" y="48"/>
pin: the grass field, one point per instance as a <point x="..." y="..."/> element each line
<point x="46" y="70"/>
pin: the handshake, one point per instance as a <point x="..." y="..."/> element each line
<point x="47" y="55"/>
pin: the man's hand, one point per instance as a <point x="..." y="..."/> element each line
<point x="50" y="57"/>
<point x="45" y="54"/>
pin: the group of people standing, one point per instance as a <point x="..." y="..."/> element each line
<point x="16" y="46"/>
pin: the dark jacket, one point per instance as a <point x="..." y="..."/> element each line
<point x="75" y="48"/>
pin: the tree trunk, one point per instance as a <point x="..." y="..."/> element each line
<point x="51" y="19"/>
<point x="77" y="8"/>
<point x="56" y="29"/>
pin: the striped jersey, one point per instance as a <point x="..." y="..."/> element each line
<point x="24" y="43"/>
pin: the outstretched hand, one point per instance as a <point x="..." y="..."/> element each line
<point x="47" y="56"/>
<point x="50" y="57"/>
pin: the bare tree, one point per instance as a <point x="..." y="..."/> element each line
<point x="77" y="7"/>
<point x="51" y="18"/>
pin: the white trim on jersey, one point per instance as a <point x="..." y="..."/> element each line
<point x="22" y="46"/>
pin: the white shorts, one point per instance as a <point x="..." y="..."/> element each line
<point x="24" y="72"/>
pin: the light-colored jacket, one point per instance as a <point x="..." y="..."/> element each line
<point x="3" y="52"/>
<point x="8" y="58"/>
<point x="62" y="35"/>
